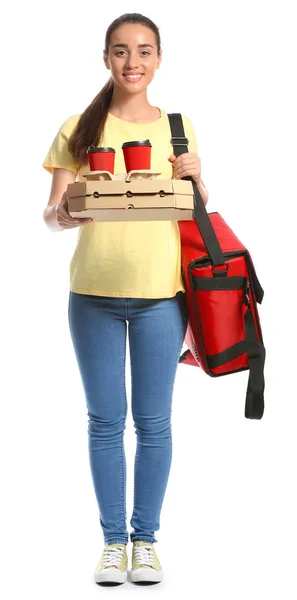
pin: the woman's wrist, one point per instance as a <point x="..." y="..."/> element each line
<point x="50" y="218"/>
<point x="203" y="191"/>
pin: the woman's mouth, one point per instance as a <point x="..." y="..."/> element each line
<point x="132" y="78"/>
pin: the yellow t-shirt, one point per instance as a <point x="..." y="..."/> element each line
<point x="133" y="259"/>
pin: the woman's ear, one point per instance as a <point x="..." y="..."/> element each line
<point x="106" y="60"/>
<point x="159" y="60"/>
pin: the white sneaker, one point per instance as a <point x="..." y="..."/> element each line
<point x="112" y="565"/>
<point x="145" y="563"/>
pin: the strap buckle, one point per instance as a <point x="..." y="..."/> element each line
<point x="220" y="272"/>
<point x="184" y="143"/>
<point x="246" y="298"/>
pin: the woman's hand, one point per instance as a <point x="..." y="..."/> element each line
<point x="64" y="219"/>
<point x="186" y="164"/>
<point x="189" y="164"/>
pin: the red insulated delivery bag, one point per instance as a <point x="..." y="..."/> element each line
<point x="222" y="291"/>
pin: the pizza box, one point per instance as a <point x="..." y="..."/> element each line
<point x="133" y="196"/>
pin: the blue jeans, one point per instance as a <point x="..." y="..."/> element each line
<point x="157" y="327"/>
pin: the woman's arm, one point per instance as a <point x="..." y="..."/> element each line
<point x="60" y="179"/>
<point x="203" y="191"/>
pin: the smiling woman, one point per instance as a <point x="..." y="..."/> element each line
<point x="121" y="272"/>
<point x="133" y="75"/>
<point x="135" y="64"/>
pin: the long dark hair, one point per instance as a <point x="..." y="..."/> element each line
<point x="90" y="126"/>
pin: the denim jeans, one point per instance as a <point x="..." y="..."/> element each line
<point x="156" y="329"/>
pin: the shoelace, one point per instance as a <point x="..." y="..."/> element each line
<point x="144" y="555"/>
<point x="112" y="556"/>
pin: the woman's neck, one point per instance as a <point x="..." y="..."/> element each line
<point x="133" y="109"/>
<point x="153" y="115"/>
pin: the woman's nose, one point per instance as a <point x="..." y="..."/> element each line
<point x="132" y="66"/>
<point x="133" y="63"/>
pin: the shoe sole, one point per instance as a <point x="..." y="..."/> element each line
<point x="111" y="575"/>
<point x="140" y="575"/>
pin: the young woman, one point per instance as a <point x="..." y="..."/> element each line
<point x="120" y="273"/>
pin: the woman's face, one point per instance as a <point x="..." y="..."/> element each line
<point x="126" y="54"/>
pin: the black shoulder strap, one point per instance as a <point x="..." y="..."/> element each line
<point x="203" y="222"/>
<point x="178" y="139"/>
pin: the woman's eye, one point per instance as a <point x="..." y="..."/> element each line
<point x="144" y="51"/>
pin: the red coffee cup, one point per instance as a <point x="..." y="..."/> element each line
<point x="101" y="158"/>
<point x="137" y="155"/>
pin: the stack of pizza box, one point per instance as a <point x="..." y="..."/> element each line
<point x="133" y="196"/>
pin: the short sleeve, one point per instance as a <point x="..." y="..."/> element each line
<point x="190" y="134"/>
<point x="58" y="154"/>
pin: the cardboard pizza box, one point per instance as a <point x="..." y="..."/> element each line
<point x="133" y="196"/>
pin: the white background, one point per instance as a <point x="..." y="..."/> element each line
<point x="228" y="523"/>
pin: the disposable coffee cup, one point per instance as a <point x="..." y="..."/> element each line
<point x="101" y="158"/>
<point x="137" y="155"/>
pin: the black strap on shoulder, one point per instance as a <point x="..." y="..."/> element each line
<point x="180" y="145"/>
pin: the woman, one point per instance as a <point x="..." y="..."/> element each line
<point x="125" y="272"/>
